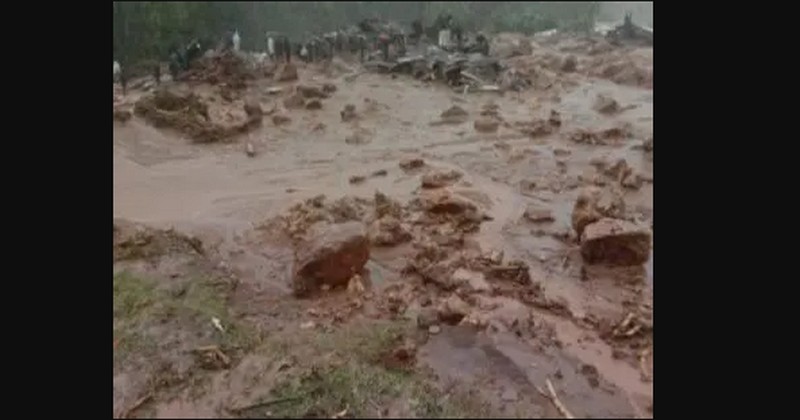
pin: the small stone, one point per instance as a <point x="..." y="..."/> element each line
<point x="486" y="125"/>
<point x="426" y="317"/>
<point x="357" y="179"/>
<point x="440" y="179"/>
<point x="280" y="119"/>
<point x="570" y="64"/>
<point x="615" y="242"/>
<point x="538" y="215"/>
<point x="314" y="105"/>
<point x="434" y="329"/>
<point x="307" y="325"/>
<point x="412" y="163"/>
<point x="356" y="285"/>
<point x="294" y="102"/>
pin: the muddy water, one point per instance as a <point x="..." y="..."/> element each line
<point x="218" y="193"/>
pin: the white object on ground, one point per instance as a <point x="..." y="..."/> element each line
<point x="236" y="41"/>
<point x="117" y="69"/>
<point x="271" y="47"/>
<point x="217" y="324"/>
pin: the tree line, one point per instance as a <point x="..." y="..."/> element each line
<point x="147" y="30"/>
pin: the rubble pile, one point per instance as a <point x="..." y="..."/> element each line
<point x="226" y="67"/>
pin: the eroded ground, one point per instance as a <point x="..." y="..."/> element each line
<point x="475" y="295"/>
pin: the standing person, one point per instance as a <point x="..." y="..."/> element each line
<point x="383" y="43"/>
<point x="236" y="40"/>
<point x="157" y="73"/>
<point x="287" y="49"/>
<point x="362" y="46"/>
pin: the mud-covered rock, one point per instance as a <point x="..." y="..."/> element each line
<point x="615" y="242"/>
<point x="280" y="119"/>
<point x="455" y="112"/>
<point x="427" y="317"/>
<point x="122" y="115"/>
<point x="357" y="179"/>
<point x="411" y="163"/>
<point x="358" y="137"/>
<point x="348" y="113"/>
<point x="388" y="231"/>
<point x="286" y="73"/>
<point x="648" y="145"/>
<point x="538" y="214"/>
<point x="252" y="107"/>
<point x="311" y="92"/>
<point x="606" y="105"/>
<point x="452" y="310"/>
<point x="569" y="64"/>
<point x="386" y="206"/>
<point x="471" y="281"/>
<point x="440" y="179"/>
<point x="594" y="204"/>
<point x="486" y="125"/>
<point x="328" y="88"/>
<point x="332" y="256"/>
<point x="314" y="105"/>
<point x="295" y="101"/>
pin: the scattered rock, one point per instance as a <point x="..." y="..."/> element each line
<point x="314" y="104"/>
<point x="328" y="88"/>
<point x="558" y="151"/>
<point x="319" y="127"/>
<point x="606" y="105"/>
<point x="619" y="170"/>
<point x="440" y="179"/>
<point x="486" y="125"/>
<point x="455" y="112"/>
<point x="412" y="163"/>
<point x="593" y="204"/>
<point x="332" y="256"/>
<point x="357" y="179"/>
<point x="473" y="281"/>
<point x="295" y="101"/>
<point x="311" y="92"/>
<point x="452" y="310"/>
<point x="615" y="242"/>
<point x="434" y="329"/>
<point x="252" y="107"/>
<point x="122" y="115"/>
<point x="385" y="206"/>
<point x="380" y="172"/>
<point x="286" y="73"/>
<point x="648" y="145"/>
<point x="307" y="325"/>
<point x="358" y="137"/>
<point x="538" y="215"/>
<point x="348" y="113"/>
<point x="554" y="119"/>
<point x="280" y="119"/>
<point x="570" y="64"/>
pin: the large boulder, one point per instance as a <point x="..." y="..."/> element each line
<point x="332" y="255"/>
<point x="594" y="204"/>
<point x="615" y="242"/>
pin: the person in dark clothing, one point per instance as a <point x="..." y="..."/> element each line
<point x="157" y="73"/>
<point x="362" y="46"/>
<point x="416" y="30"/>
<point x="287" y="49"/>
<point x="383" y="42"/>
<point x="123" y="80"/>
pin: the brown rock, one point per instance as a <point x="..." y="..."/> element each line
<point x="385" y="206"/>
<point x="632" y="181"/>
<point x="250" y="150"/>
<point x="427" y="317"/>
<point x="122" y="115"/>
<point x="286" y="73"/>
<point x="570" y="64"/>
<point x="486" y="125"/>
<point x="314" y="104"/>
<point x="648" y="145"/>
<point x="454" y="112"/>
<point x="328" y="88"/>
<point x="332" y="256"/>
<point x="538" y="215"/>
<point x="252" y="107"/>
<point x="348" y="113"/>
<point x="593" y="204"/>
<point x="619" y="170"/>
<point x="615" y="242"/>
<point x="412" y="163"/>
<point x="440" y="179"/>
<point x="452" y="310"/>
<point x="295" y="101"/>
<point x="280" y="119"/>
<point x="555" y="118"/>
<point x="558" y="151"/>
<point x="358" y="137"/>
<point x="356" y="285"/>
<point x="380" y="172"/>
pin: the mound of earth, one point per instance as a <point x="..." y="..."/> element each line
<point x="226" y="67"/>
<point x="189" y="114"/>
<point x="134" y="241"/>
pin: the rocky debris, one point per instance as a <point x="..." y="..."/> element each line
<point x="314" y="105"/>
<point x="295" y="101"/>
<point x="388" y="231"/>
<point x="122" y="115"/>
<point x="328" y="88"/>
<point x="507" y="45"/>
<point x="385" y="206"/>
<point x="440" y="179"/>
<point x="619" y="170"/>
<point x="615" y="242"/>
<point x="555" y="119"/>
<point x="535" y="128"/>
<point x="471" y="281"/>
<point x="411" y="163"/>
<point x="434" y="329"/>
<point x="594" y="204"/>
<point x="311" y="92"/>
<point x="448" y="208"/>
<point x="379" y="172"/>
<point x="570" y="64"/>
<point x="359" y="136"/>
<point x="280" y="119"/>
<point x="606" y="105"/>
<point x="286" y="73"/>
<point x="561" y="152"/>
<point x="355" y="286"/>
<point x="602" y="137"/>
<point x="515" y="271"/>
<point x="486" y="125"/>
<point x="538" y="215"/>
<point x="622" y="68"/>
<point x="632" y="181"/>
<point x="226" y="68"/>
<point x="320" y="127"/>
<point x="348" y="113"/>
<point x="357" y="179"/>
<point x="332" y="256"/>
<point x="133" y="241"/>
<point x="452" y="310"/>
<point x="297" y="221"/>
<point x="189" y="115"/>
<point x="491" y="109"/>
<point x="252" y="107"/>
<point x="454" y="114"/>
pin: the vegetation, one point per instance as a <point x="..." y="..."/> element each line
<point x="147" y="30"/>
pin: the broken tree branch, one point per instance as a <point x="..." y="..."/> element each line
<point x="559" y="405"/>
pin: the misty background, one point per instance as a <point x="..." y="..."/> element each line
<point x="147" y="30"/>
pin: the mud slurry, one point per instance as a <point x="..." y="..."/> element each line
<point x="475" y="293"/>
